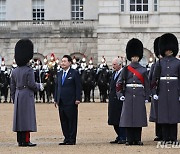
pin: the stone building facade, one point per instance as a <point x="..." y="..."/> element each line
<point x="90" y="28"/>
<point x="58" y="37"/>
<point x="121" y="20"/>
<point x="54" y="26"/>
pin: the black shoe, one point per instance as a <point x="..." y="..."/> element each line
<point x="70" y="143"/>
<point x="138" y="143"/>
<point x="114" y="142"/>
<point x="63" y="143"/>
<point x="163" y="142"/>
<point x="27" y="144"/>
<point x="175" y="142"/>
<point x="121" y="142"/>
<point x="157" y="138"/>
<point x="129" y="143"/>
<point x="167" y="142"/>
<point x="67" y="143"/>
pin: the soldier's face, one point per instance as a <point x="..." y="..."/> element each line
<point x="135" y="59"/>
<point x="65" y="64"/>
<point x="168" y="53"/>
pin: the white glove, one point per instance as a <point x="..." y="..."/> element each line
<point x="41" y="87"/>
<point x="179" y="98"/>
<point x="122" y="98"/>
<point x="155" y="97"/>
<point x="146" y="101"/>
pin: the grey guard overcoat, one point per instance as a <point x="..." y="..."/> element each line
<point x="23" y="87"/>
<point x="134" y="110"/>
<point x="169" y="90"/>
<point x="154" y="103"/>
<point x="114" y="105"/>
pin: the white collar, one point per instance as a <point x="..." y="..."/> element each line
<point x="118" y="71"/>
<point x="66" y="71"/>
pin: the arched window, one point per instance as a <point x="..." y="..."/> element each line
<point x="138" y="5"/>
<point x="78" y="56"/>
<point x="77" y="11"/>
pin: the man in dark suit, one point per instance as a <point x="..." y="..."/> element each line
<point x="115" y="105"/>
<point x="67" y="98"/>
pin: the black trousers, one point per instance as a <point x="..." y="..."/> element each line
<point x="68" y="117"/>
<point x="23" y="137"/>
<point x="121" y="132"/>
<point x="133" y="133"/>
<point x="158" y="130"/>
<point x="169" y="132"/>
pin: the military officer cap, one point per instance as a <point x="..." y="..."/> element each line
<point x="134" y="48"/>
<point x="168" y="41"/>
<point x="156" y="47"/>
<point x="23" y="52"/>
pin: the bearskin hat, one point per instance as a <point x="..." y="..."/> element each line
<point x="134" y="48"/>
<point x="23" y="52"/>
<point x="168" y="41"/>
<point x="156" y="47"/>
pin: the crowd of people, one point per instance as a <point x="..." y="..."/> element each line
<point x="129" y="88"/>
<point x="45" y="72"/>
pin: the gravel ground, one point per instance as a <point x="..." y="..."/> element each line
<point x="93" y="133"/>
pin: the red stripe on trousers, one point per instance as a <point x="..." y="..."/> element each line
<point x="27" y="137"/>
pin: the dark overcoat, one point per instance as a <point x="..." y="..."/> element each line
<point x="154" y="103"/>
<point x="134" y="109"/>
<point x="114" y="105"/>
<point x="169" y="90"/>
<point x="23" y="87"/>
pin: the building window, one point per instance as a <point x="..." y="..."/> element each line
<point x="138" y="5"/>
<point x="155" y="5"/>
<point x="77" y="12"/>
<point x="38" y="9"/>
<point x="2" y="9"/>
<point x="122" y="5"/>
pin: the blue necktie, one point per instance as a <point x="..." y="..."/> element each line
<point x="63" y="77"/>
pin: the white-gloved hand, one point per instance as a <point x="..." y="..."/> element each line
<point x="122" y="98"/>
<point x="41" y="87"/>
<point x="146" y="101"/>
<point x="179" y="98"/>
<point x="155" y="97"/>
